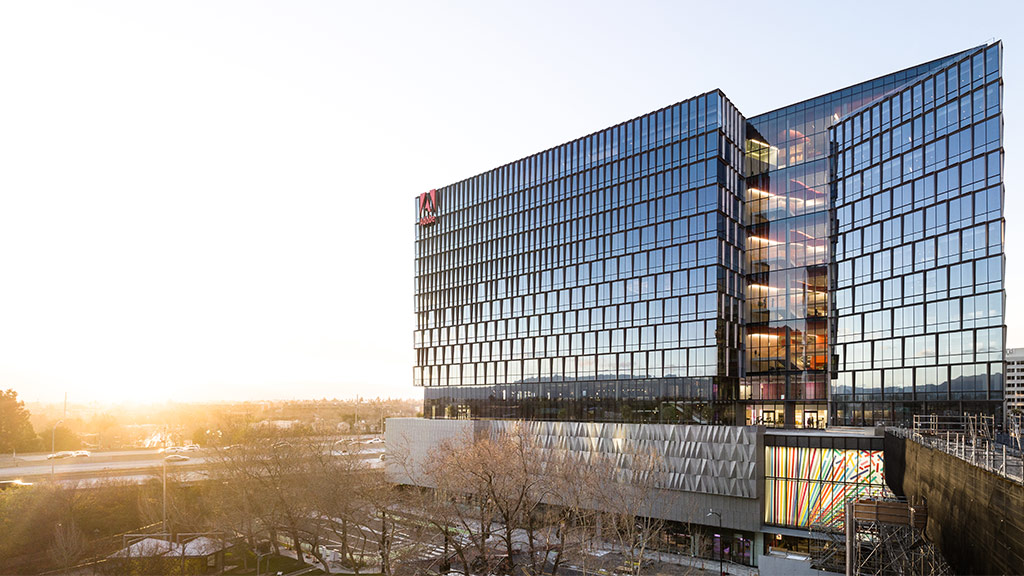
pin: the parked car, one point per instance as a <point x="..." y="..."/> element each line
<point x="176" y="458"/>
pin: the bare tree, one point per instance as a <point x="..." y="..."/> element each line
<point x="492" y="488"/>
<point x="68" y="546"/>
<point x="336" y="485"/>
<point x="573" y="531"/>
<point x="265" y="490"/>
<point x="629" y="502"/>
<point x="459" y="472"/>
<point x="237" y="493"/>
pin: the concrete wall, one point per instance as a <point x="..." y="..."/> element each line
<point x="975" y="517"/>
<point x="410" y="442"/>
<point x="770" y="565"/>
<point x="720" y="467"/>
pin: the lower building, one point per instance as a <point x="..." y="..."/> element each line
<point x="1015" y="380"/>
<point x="777" y="493"/>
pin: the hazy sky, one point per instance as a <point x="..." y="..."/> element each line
<point x="211" y="200"/>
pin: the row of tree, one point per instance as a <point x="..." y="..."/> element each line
<point x="505" y="503"/>
<point x="498" y="503"/>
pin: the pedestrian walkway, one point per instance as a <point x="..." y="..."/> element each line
<point x="709" y="566"/>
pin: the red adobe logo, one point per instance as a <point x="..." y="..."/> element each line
<point x="428" y="207"/>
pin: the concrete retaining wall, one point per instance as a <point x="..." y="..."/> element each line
<point x="975" y="517"/>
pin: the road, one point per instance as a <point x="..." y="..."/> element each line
<point x="113" y="454"/>
<point x="99" y="465"/>
<point x="141" y="463"/>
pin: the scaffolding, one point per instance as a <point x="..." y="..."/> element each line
<point x="934" y="424"/>
<point x="1014" y="424"/>
<point x="981" y="428"/>
<point x="886" y="538"/>
<point x="880" y="537"/>
<point x="972" y="438"/>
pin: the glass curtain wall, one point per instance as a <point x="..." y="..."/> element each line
<point x="787" y="214"/>
<point x="598" y="280"/>
<point x="919" y="249"/>
<point x="678" y="267"/>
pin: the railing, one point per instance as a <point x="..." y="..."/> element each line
<point x="975" y="449"/>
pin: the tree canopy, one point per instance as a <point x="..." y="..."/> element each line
<point x="16" y="431"/>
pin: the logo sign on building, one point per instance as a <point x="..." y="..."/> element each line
<point x="428" y="208"/>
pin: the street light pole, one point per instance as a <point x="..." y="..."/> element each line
<point x="165" y="498"/>
<point x="259" y="557"/>
<point x="53" y="444"/>
<point x="721" y="539"/>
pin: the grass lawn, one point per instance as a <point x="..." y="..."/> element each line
<point x="269" y="565"/>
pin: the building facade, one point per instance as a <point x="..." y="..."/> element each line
<point x="600" y="280"/>
<point x="1014" y="380"/>
<point x="838" y="260"/>
<point x="719" y="288"/>
<point x="917" y="248"/>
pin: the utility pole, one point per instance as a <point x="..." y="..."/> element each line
<point x="851" y="540"/>
<point x="165" y="498"/>
<point x="53" y="443"/>
<point x="53" y="436"/>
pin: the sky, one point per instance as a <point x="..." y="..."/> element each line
<point x="211" y="200"/>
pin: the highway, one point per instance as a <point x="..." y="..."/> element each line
<point x="116" y="463"/>
<point x="134" y="464"/>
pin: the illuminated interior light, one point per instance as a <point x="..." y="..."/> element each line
<point x="766" y="194"/>
<point x="765" y="240"/>
<point x="805" y="188"/>
<point x="766" y="287"/>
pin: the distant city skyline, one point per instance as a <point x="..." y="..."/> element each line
<point x="210" y="201"/>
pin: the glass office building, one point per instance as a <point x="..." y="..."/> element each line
<point x="838" y="260"/>
<point x="918" y="247"/>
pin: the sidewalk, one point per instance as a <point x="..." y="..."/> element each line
<point x="710" y="566"/>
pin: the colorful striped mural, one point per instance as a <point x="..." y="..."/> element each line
<point x="810" y="486"/>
